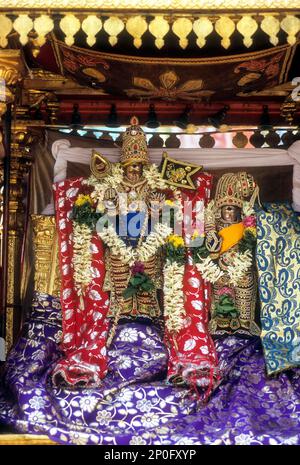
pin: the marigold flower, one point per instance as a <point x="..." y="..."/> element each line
<point x="195" y="234"/>
<point x="176" y="241"/>
<point x="169" y="202"/>
<point x="82" y="199"/>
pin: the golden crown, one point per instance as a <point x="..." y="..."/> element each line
<point x="134" y="144"/>
<point x="234" y="189"/>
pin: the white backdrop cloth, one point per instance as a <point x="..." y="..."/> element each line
<point x="208" y="158"/>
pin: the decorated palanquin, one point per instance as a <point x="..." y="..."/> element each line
<point x="120" y="262"/>
<point x="138" y="339"/>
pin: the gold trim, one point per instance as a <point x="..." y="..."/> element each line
<point x="46" y="270"/>
<point x="149" y="4"/>
<point x="25" y="439"/>
<point x="287" y="63"/>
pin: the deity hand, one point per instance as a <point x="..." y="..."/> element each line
<point x="156" y="201"/>
<point x="111" y="200"/>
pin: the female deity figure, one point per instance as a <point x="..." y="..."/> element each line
<point x="230" y="267"/>
<point x="123" y="257"/>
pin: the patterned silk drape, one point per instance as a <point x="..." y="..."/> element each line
<point x="278" y="261"/>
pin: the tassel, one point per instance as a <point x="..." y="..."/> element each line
<point x="255" y="196"/>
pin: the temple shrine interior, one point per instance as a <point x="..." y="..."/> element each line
<point x="149" y="222"/>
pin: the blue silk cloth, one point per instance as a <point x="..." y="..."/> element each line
<point x="135" y="405"/>
<point x="278" y="264"/>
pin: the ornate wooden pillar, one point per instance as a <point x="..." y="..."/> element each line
<point x="11" y="72"/>
<point x="20" y="162"/>
<point x="18" y="135"/>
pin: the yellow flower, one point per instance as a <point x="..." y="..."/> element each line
<point x="251" y="230"/>
<point x="100" y="207"/>
<point x="176" y="241"/>
<point x="82" y="199"/>
<point x="169" y="202"/>
<point x="195" y="234"/>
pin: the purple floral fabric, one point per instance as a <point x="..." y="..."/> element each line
<point x="135" y="405"/>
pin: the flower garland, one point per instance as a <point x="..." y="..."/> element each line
<point x="109" y="182"/>
<point x="240" y="264"/>
<point x="82" y="257"/>
<point x="209" y="270"/>
<point x="154" y="179"/>
<point x="142" y="253"/>
<point x="173" y="283"/>
<point x="240" y="261"/>
<point x="173" y="296"/>
<point x="82" y="234"/>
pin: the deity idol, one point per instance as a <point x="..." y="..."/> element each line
<point x="123" y="259"/>
<point x="230" y="267"/>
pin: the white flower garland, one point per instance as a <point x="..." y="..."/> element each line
<point x="209" y="270"/>
<point x="82" y="256"/>
<point x="173" y="296"/>
<point x="111" y="181"/>
<point x="82" y="234"/>
<point x="240" y="264"/>
<point x="154" y="179"/>
<point x="144" y="252"/>
<point x="248" y="209"/>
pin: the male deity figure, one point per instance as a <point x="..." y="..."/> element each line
<point x="120" y="262"/>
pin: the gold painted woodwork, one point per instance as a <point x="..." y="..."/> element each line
<point x="202" y="27"/>
<point x="24" y="133"/>
<point x="225" y="27"/>
<point x="113" y="26"/>
<point x="182" y="28"/>
<point x="42" y="26"/>
<point x="11" y="71"/>
<point x="159" y="27"/>
<point x="247" y="26"/>
<point x="23" y="24"/>
<point x="46" y="270"/>
<point x="291" y="25"/>
<point x="149" y="4"/>
<point x="6" y="26"/>
<point x="91" y="26"/>
<point x="136" y="26"/>
<point x="69" y="24"/>
<point x="271" y="26"/>
<point x="34" y="29"/>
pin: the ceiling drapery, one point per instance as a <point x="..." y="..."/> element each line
<point x="169" y="79"/>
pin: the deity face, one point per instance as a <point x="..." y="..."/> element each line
<point x="134" y="172"/>
<point x="231" y="213"/>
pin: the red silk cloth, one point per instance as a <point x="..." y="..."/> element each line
<point x="192" y="356"/>
<point x="85" y="324"/>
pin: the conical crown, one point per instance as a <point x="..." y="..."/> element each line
<point x="234" y="189"/>
<point x="134" y="144"/>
